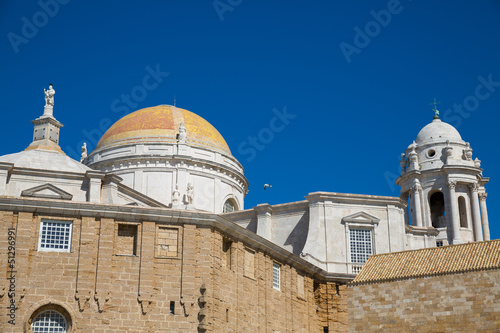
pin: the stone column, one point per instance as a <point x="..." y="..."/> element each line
<point x="264" y="221"/>
<point x="417" y="205"/>
<point x="484" y="216"/>
<point x="453" y="211"/>
<point x="476" y="217"/>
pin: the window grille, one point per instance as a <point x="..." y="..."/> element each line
<point x="55" y="236"/>
<point x="276" y="276"/>
<point x="361" y="245"/>
<point x="49" y="321"/>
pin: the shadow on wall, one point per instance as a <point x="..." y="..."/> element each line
<point x="298" y="236"/>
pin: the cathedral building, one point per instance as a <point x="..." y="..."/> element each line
<point x="148" y="232"/>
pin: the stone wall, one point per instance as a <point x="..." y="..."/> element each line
<point x="464" y="302"/>
<point x="142" y="276"/>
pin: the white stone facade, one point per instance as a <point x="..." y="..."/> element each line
<point x="443" y="197"/>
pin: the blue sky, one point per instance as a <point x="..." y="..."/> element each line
<point x="352" y="79"/>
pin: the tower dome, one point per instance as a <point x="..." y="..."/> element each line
<point x="173" y="156"/>
<point x="442" y="184"/>
<point x="437" y="131"/>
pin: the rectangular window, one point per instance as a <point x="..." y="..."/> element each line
<point x="55" y="236"/>
<point x="439" y="243"/>
<point x="276" y="275"/>
<point x="126" y="242"/>
<point x="167" y="242"/>
<point x="361" y="245"/>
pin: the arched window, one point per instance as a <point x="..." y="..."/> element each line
<point x="462" y="210"/>
<point x="49" y="321"/>
<point x="436" y="203"/>
<point x="229" y="206"/>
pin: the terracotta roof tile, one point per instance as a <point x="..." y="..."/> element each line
<point x="431" y="261"/>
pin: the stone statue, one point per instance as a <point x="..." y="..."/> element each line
<point x="181" y="138"/>
<point x="468" y="152"/>
<point x="49" y="96"/>
<point x="402" y="163"/>
<point x="190" y="194"/>
<point x="176" y="196"/>
<point x="84" y="152"/>
<point x="49" y="101"/>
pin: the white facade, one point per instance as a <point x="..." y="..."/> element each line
<point x="189" y="167"/>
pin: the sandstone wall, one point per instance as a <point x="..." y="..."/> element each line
<point x="465" y="302"/>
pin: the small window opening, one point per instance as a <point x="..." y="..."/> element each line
<point x="462" y="210"/>
<point x="337" y="289"/>
<point x="127" y="239"/>
<point x="172" y="307"/>
<point x="227" y="315"/>
<point x="436" y="203"/>
<point x="325" y="329"/>
<point x="439" y="243"/>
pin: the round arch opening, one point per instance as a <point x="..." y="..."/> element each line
<point x="50" y="318"/>
<point x="230" y="206"/>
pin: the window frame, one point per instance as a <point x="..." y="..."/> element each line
<point x="352" y="232"/>
<point x="34" y="321"/>
<point x="276" y="276"/>
<point x="70" y="236"/>
<point x="359" y="220"/>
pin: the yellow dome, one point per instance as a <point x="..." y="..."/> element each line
<point x="161" y="124"/>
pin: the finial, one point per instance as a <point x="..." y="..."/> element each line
<point x="436" y="111"/>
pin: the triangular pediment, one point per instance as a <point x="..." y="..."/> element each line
<point x="361" y="217"/>
<point x="47" y="191"/>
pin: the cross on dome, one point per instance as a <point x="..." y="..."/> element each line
<point x="436" y="111"/>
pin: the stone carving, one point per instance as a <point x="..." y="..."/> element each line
<point x="147" y="302"/>
<point x="468" y="152"/>
<point x="83" y="299"/>
<point x="452" y="184"/>
<point x="187" y="306"/>
<point x="477" y="163"/>
<point x="448" y="151"/>
<point x="49" y="96"/>
<point x="190" y="194"/>
<point x="474" y="187"/>
<point x="176" y="195"/>
<point x="413" y="157"/>
<point x="48" y="109"/>
<point x="403" y="163"/>
<point x="181" y="138"/>
<point x="84" y="152"/>
<point x="102" y="301"/>
<point x="482" y="196"/>
<point x="416" y="188"/>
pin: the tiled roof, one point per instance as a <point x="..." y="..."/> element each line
<point x="431" y="261"/>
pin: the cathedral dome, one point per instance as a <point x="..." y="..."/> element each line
<point x="160" y="124"/>
<point x="437" y="131"/>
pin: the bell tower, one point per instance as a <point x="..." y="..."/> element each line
<point x="444" y="185"/>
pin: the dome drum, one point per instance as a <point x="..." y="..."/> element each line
<point x="173" y="156"/>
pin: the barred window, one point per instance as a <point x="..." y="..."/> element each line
<point x="361" y="245"/>
<point x="229" y="206"/>
<point x="55" y="236"/>
<point x="49" y="321"/>
<point x="276" y="275"/>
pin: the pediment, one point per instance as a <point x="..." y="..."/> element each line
<point x="361" y="217"/>
<point x="47" y="191"/>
